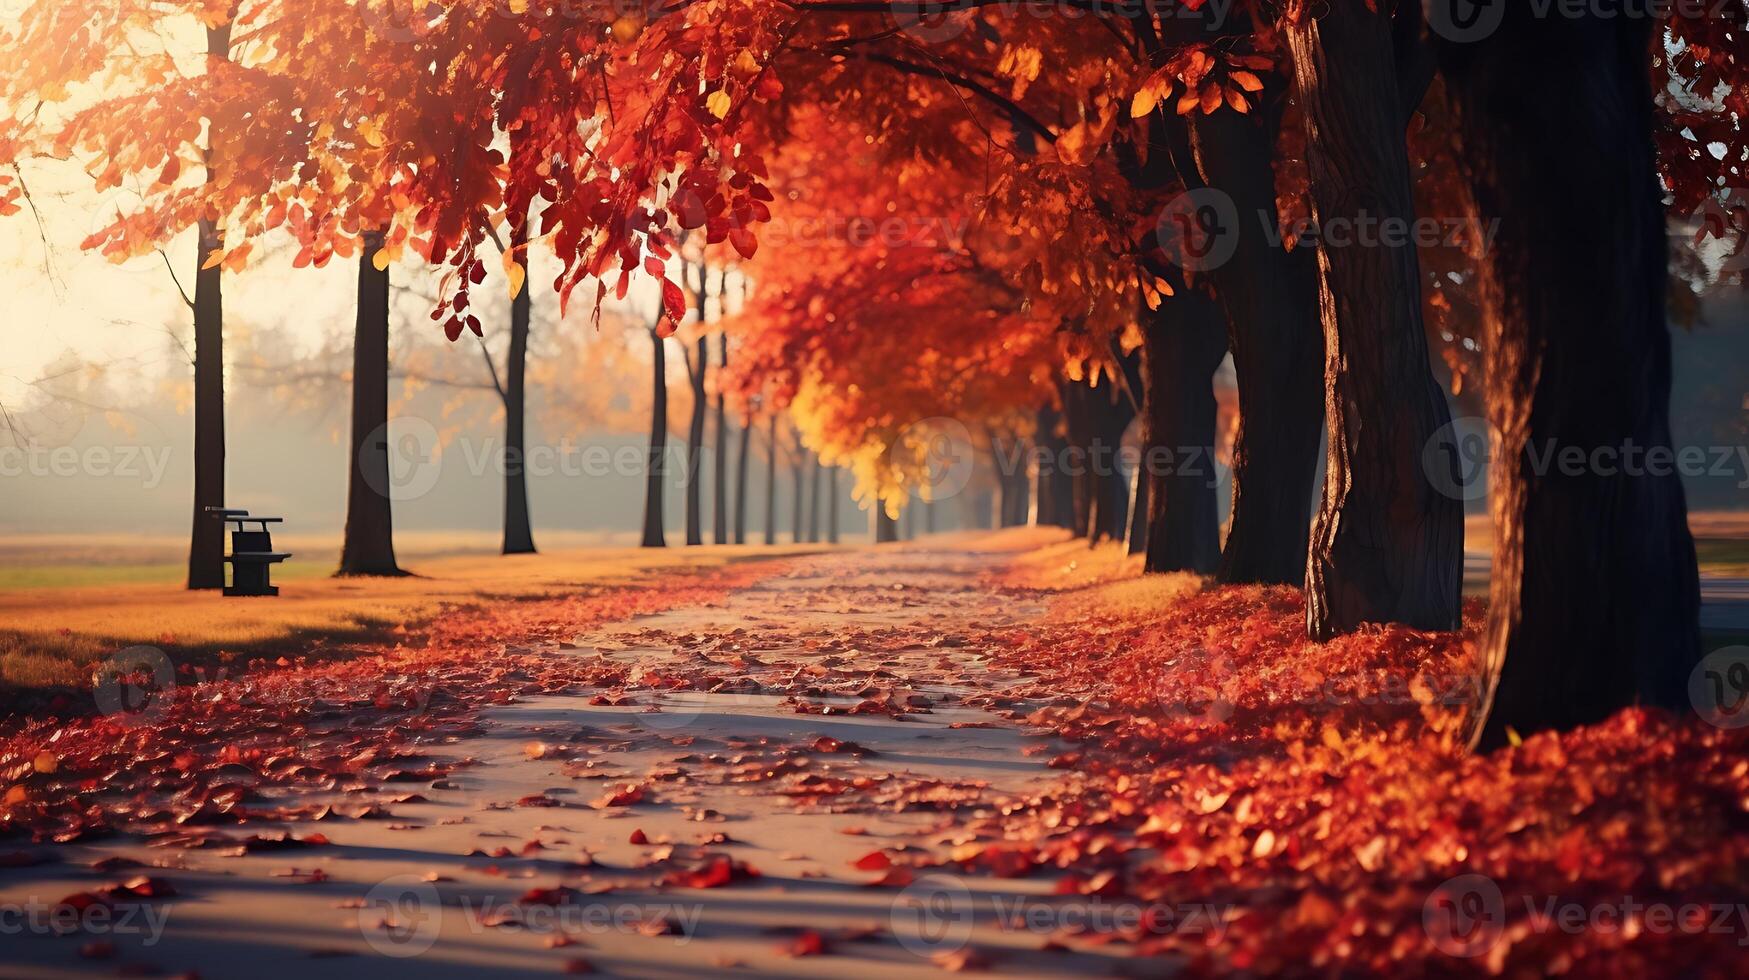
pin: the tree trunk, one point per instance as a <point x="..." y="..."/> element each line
<point x="1055" y="494"/>
<point x="1594" y="600"/>
<point x="1183" y="344"/>
<point x="1012" y="483"/>
<point x="813" y="498"/>
<point x="656" y="460"/>
<point x="1270" y="298"/>
<point x="369" y="545"/>
<point x="1137" y="542"/>
<point x="206" y="540"/>
<point x="1108" y="415"/>
<point x="518" y="534"/>
<point x="1077" y="462"/>
<point x="798" y="470"/>
<point x="771" y="484"/>
<point x="741" y="481"/>
<point x="908" y="522"/>
<point x="1386" y="546"/>
<point x="695" y="443"/>
<point x="832" y="505"/>
<point x="720" y="451"/>
<point x="886" y="530"/>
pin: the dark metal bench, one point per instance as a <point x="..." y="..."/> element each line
<point x="252" y="553"/>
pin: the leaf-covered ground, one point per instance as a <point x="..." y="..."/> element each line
<point x="992" y="753"/>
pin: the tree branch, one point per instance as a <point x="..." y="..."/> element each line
<point x="1009" y="106"/>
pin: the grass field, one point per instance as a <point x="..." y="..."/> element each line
<point x="74" y="603"/>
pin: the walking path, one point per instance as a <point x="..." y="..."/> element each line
<point x="763" y="826"/>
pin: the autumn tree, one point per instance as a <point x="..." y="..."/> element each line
<point x="1594" y="597"/>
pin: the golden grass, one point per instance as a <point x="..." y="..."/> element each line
<point x="50" y="636"/>
<point x="1067" y="563"/>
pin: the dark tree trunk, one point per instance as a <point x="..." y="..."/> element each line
<point x="720" y="452"/>
<point x="206" y="551"/>
<point x="518" y="534"/>
<point x="1108" y="415"/>
<point x="369" y="545"/>
<point x="695" y="442"/>
<point x="206" y="540"/>
<point x="741" y="480"/>
<point x="886" y="530"/>
<point x="1270" y="298"/>
<point x="1012" y="483"/>
<point x="771" y="484"/>
<point x="655" y="462"/>
<point x="1055" y="494"/>
<point x="1387" y="545"/>
<point x="983" y="510"/>
<point x="1077" y="461"/>
<point x="1183" y="344"/>
<point x="1594" y="601"/>
<point x="1137" y="543"/>
<point x="908" y="521"/>
<point x="798" y="472"/>
<point x="832" y="505"/>
<point x="813" y="498"/>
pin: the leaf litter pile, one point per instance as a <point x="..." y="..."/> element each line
<point x="1314" y="796"/>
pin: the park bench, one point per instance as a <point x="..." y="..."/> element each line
<point x="251" y="554"/>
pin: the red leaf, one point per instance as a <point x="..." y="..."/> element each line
<point x="673" y="301"/>
<point x="873" y="861"/>
<point x="809" y="943"/>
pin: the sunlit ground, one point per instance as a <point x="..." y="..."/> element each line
<point x="67" y="602"/>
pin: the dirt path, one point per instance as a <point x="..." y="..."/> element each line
<point x="847" y="723"/>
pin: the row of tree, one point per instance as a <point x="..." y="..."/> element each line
<point x="1065" y="285"/>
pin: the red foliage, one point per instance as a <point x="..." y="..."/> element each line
<point x="1315" y="794"/>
